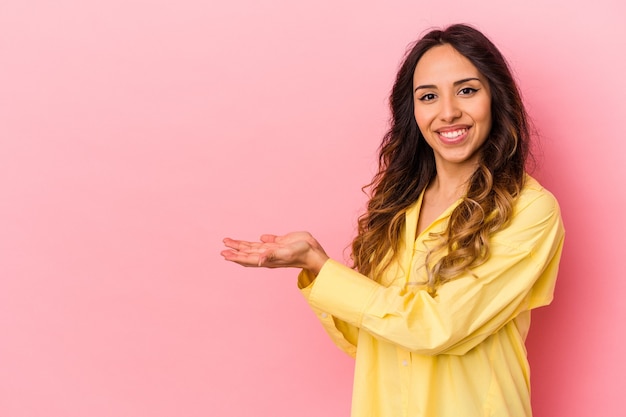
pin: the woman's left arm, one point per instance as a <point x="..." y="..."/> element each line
<point x="293" y="250"/>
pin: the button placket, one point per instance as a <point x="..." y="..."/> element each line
<point x="404" y="362"/>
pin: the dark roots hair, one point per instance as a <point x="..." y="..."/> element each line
<point x="407" y="165"/>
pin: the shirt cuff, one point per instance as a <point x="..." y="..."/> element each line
<point x="342" y="292"/>
<point x="305" y="279"/>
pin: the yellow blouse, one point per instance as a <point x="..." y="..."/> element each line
<point x="460" y="353"/>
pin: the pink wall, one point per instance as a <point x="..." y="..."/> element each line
<point x="135" y="134"/>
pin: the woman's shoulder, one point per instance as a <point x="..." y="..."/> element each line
<point x="536" y="214"/>
<point x="535" y="195"/>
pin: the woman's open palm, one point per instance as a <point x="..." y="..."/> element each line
<point x="293" y="250"/>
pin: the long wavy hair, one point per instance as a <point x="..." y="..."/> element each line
<point x="407" y="165"/>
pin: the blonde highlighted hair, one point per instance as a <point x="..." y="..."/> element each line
<point x="407" y="165"/>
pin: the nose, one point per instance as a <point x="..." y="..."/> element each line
<point x="449" y="110"/>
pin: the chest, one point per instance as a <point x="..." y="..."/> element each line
<point x="428" y="214"/>
<point x="433" y="205"/>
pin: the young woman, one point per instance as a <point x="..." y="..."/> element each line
<point x="458" y="244"/>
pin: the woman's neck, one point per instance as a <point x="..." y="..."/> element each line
<point x="450" y="183"/>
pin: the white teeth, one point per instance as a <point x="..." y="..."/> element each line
<point x="453" y="134"/>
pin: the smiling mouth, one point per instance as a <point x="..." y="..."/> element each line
<point x="453" y="134"/>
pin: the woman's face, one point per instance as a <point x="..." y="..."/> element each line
<point x="452" y="106"/>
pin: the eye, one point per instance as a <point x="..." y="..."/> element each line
<point x="466" y="91"/>
<point x="427" y="97"/>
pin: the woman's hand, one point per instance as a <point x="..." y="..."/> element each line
<point x="293" y="250"/>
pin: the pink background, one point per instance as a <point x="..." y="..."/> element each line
<point x="135" y="134"/>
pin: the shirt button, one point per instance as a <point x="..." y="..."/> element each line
<point x="324" y="315"/>
<point x="405" y="363"/>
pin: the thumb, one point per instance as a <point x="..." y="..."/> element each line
<point x="267" y="238"/>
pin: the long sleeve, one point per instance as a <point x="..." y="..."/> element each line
<point x="344" y="335"/>
<point x="519" y="275"/>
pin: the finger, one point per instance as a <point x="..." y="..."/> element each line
<point x="233" y="255"/>
<point x="267" y="238"/>
<point x="227" y="254"/>
<point x="231" y="243"/>
<point x="243" y="246"/>
<point x="241" y="258"/>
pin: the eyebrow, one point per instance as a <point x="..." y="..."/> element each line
<point x="464" y="80"/>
